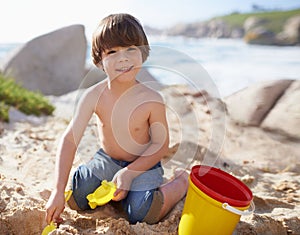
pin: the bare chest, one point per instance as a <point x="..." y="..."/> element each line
<point x="124" y="119"/>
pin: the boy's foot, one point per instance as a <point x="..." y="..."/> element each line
<point x="182" y="175"/>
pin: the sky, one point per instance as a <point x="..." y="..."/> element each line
<point x="21" y="21"/>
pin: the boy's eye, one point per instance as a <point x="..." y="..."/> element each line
<point x="131" y="49"/>
<point x="111" y="52"/>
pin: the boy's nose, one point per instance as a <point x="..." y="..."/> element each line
<point x="123" y="56"/>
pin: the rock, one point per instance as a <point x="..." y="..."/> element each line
<point x="292" y="27"/>
<point x="237" y="33"/>
<point x="291" y="32"/>
<point x="17" y="116"/>
<point x="285" y="115"/>
<point x="52" y="63"/>
<point x="261" y="36"/>
<point x="253" y="22"/>
<point x="250" y="105"/>
<point x="145" y="77"/>
<point x="218" y="29"/>
<point x="188" y="30"/>
<point x="92" y="76"/>
<point x="214" y="28"/>
<point x="256" y="32"/>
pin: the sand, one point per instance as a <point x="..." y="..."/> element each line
<point x="267" y="162"/>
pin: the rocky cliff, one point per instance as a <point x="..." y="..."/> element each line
<point x="264" y="29"/>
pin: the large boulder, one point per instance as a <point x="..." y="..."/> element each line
<point x="291" y="32"/>
<point x="92" y="76"/>
<point x="250" y="105"/>
<point x="260" y="35"/>
<point x="292" y="28"/>
<point x="256" y="32"/>
<point x="53" y="64"/>
<point x="253" y="22"/>
<point x="285" y="115"/>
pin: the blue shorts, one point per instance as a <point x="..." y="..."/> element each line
<point x="87" y="178"/>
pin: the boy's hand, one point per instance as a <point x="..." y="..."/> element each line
<point x="54" y="207"/>
<point x="123" y="179"/>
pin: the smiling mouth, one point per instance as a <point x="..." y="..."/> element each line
<point x="124" y="69"/>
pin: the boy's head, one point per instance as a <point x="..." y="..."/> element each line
<point x="118" y="30"/>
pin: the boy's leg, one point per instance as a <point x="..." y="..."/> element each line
<point x="84" y="182"/>
<point x="173" y="191"/>
<point x="150" y="206"/>
<point x="87" y="178"/>
<point x="143" y="206"/>
<point x="153" y="215"/>
<point x="144" y="200"/>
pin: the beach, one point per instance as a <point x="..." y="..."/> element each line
<point x="217" y="116"/>
<point x="267" y="162"/>
<point x="231" y="89"/>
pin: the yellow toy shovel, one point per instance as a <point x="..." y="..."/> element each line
<point x="102" y="195"/>
<point x="50" y="227"/>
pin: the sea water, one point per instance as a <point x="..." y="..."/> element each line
<point x="230" y="64"/>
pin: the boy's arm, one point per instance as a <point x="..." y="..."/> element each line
<point x="66" y="152"/>
<point x="159" y="140"/>
<point x="71" y="138"/>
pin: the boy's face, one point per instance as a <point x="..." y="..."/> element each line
<point x="122" y="63"/>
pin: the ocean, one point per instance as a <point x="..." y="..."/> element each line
<point x="233" y="65"/>
<point x="228" y="64"/>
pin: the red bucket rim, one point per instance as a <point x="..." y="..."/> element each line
<point x="196" y="179"/>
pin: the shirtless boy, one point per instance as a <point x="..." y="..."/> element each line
<point x="133" y="132"/>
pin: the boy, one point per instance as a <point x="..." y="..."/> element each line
<point x="132" y="127"/>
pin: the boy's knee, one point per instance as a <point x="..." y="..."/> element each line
<point x="153" y="213"/>
<point x="144" y="206"/>
<point x="83" y="183"/>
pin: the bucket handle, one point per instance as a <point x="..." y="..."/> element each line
<point x="226" y="206"/>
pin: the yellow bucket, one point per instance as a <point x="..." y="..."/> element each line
<point x="214" y="203"/>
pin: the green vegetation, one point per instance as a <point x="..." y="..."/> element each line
<point x="4" y="112"/>
<point x="28" y="102"/>
<point x="274" y="19"/>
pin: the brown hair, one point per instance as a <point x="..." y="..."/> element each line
<point x="118" y="30"/>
